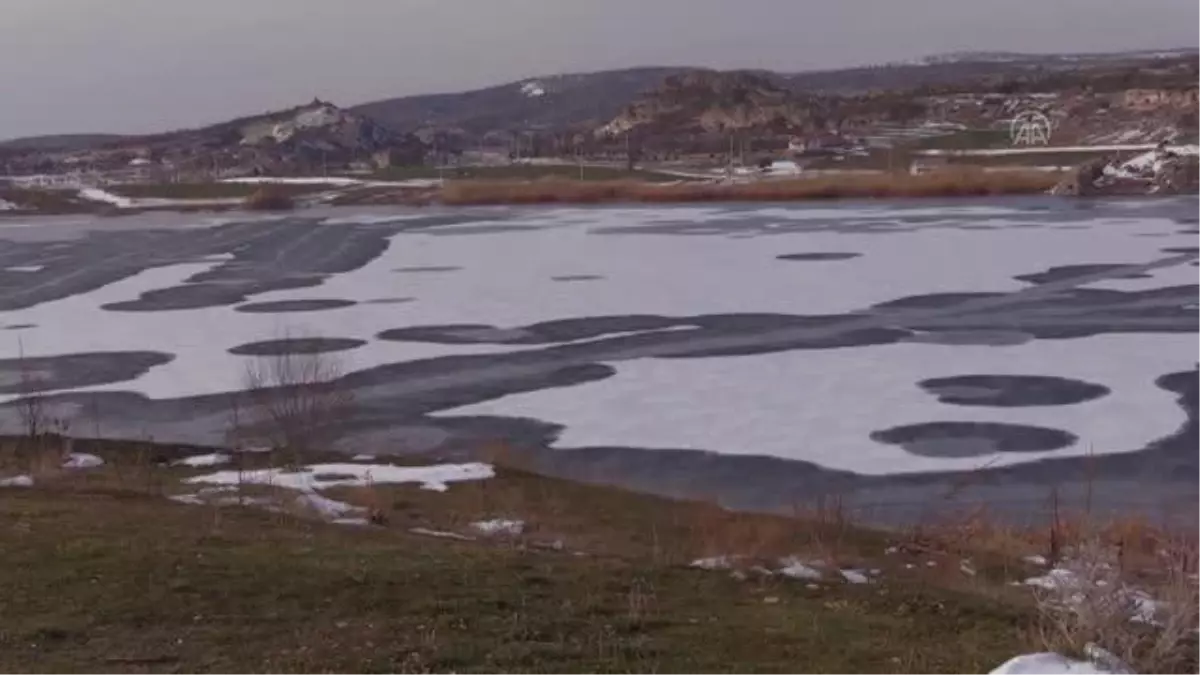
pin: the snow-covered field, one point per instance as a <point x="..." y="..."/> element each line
<point x="819" y="405"/>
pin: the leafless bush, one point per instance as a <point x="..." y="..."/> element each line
<point x="293" y="402"/>
<point x="1086" y="601"/>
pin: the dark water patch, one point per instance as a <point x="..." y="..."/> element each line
<point x="1194" y="250"/>
<point x="1011" y="391"/>
<point x="388" y="301"/>
<point x="427" y="269"/>
<point x="1191" y="231"/>
<point x="455" y="334"/>
<point x="20" y="326"/>
<point x="973" y="439"/>
<point x="200" y="296"/>
<point x="300" y="305"/>
<point x="314" y="345"/>
<point x="1069" y="272"/>
<point x="69" y="371"/>
<point x="991" y="338"/>
<point x="543" y="333"/>
<point x="577" y="277"/>
<point x="936" y="300"/>
<point x="818" y="257"/>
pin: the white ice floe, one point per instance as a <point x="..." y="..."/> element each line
<point x="8" y="206"/>
<point x="362" y="457"/>
<point x="799" y="569"/>
<point x="499" y="526"/>
<point x="211" y="459"/>
<point x="81" y="460"/>
<point x="855" y="576"/>
<point x="25" y="268"/>
<point x="16" y="481"/>
<point x="322" y="476"/>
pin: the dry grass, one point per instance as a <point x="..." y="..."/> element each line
<point x="269" y="198"/>
<point x="949" y="183"/>
<point x="225" y="588"/>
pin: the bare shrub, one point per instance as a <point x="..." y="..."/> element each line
<point x="294" y="402"/>
<point x="1086" y="601"/>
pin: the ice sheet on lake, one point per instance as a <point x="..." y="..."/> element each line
<point x="794" y="404"/>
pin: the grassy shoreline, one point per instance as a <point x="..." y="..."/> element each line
<point x="554" y="189"/>
<point x="102" y="572"/>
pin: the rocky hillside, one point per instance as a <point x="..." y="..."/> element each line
<point x="701" y="102"/>
<point x="304" y="139"/>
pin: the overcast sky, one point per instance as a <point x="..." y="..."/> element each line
<point x="132" y="66"/>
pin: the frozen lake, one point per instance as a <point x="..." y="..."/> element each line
<point x="760" y="353"/>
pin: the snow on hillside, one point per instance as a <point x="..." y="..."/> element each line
<point x="1149" y="160"/>
<point x="533" y="89"/>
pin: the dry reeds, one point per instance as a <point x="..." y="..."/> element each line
<point x="947" y="183"/>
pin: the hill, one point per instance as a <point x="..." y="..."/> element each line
<point x="554" y="102"/>
<point x="59" y="142"/>
<point x="304" y="139"/>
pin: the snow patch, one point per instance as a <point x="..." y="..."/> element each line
<point x="499" y="526"/>
<point x="211" y="459"/>
<point x="1047" y="663"/>
<point x="424" y="531"/>
<point x="82" y="460"/>
<point x="105" y="197"/>
<point x="533" y="89"/>
<point x="25" y="268"/>
<point x="322" y="476"/>
<point x="16" y="481"/>
<point x="797" y="569"/>
<point x="855" y="576"/>
<point x="720" y="562"/>
<point x="362" y="458"/>
<point x="1035" y="560"/>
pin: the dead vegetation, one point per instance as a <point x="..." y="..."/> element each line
<point x="946" y="183"/>
<point x="269" y="198"/>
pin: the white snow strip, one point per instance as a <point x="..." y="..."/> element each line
<point x="424" y="531"/>
<point x="362" y="457"/>
<point x="720" y="562"/>
<point x="499" y="526"/>
<point x="211" y="459"/>
<point x="16" y="481"/>
<point x="7" y="206"/>
<point x="82" y="460"/>
<point x="322" y="476"/>
<point x="966" y="568"/>
<point x="25" y="268"/>
<point x="798" y="569"/>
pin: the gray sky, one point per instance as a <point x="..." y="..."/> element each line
<point x="132" y="66"/>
